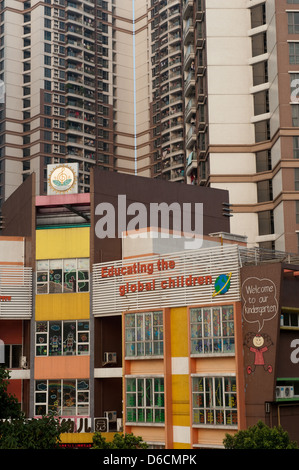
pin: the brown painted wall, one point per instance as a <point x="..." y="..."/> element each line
<point x="19" y="217"/>
<point x="107" y="186"/>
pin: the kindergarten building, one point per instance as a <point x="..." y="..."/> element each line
<point x="141" y="334"/>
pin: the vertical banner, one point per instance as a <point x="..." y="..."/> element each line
<point x="260" y="295"/>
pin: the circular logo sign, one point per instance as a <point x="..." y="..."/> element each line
<point x="62" y="178"/>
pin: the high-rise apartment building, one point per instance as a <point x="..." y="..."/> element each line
<point x="246" y="126"/>
<point x="194" y="91"/>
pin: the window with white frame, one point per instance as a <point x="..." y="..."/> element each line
<point x="62" y="338"/>
<point x="214" y="401"/>
<point x="212" y="330"/>
<point x="144" y="334"/>
<point x="62" y="276"/>
<point x="294" y="52"/>
<point x="66" y="397"/>
<point x="293" y="22"/>
<point x="145" y="400"/>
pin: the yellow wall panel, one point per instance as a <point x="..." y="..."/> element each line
<point x="180" y="400"/>
<point x="179" y="332"/>
<point x="63" y="243"/>
<point x="177" y="445"/>
<point x="62" y="306"/>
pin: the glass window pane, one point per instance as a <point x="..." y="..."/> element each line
<point x="69" y="397"/>
<point x="54" y="396"/>
<point x="55" y="276"/>
<point x="55" y="338"/>
<point x="69" y="338"/>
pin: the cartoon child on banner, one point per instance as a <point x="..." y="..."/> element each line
<point x="258" y="344"/>
<point x="260" y="306"/>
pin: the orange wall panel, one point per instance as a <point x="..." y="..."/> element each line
<point x="145" y="367"/>
<point x="62" y="367"/>
<point x="215" y="365"/>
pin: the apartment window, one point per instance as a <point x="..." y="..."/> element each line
<point x="296" y="179"/>
<point x="293" y="2"/>
<point x="258" y="17"/>
<point x="259" y="44"/>
<point x="62" y="338"/>
<point x="12" y="353"/>
<point x="214" y="401"/>
<point x="47" y="85"/>
<point x="290" y="319"/>
<point x="47" y="23"/>
<point x="297" y="212"/>
<point x="47" y="123"/>
<point x="293" y="22"/>
<point x="263" y="161"/>
<point x="62" y="276"/>
<point x="212" y="330"/>
<point x="295" y="115"/>
<point x="261" y="102"/>
<point x="265" y="222"/>
<point x="296" y="147"/>
<point x="262" y="131"/>
<point x="294" y="52"/>
<point x="264" y="191"/>
<point x="47" y="36"/>
<point x="144" y="334"/>
<point x="67" y="397"/>
<point x="145" y="400"/>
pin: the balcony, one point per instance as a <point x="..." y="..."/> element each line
<point x="189" y="83"/>
<point x="190" y="137"/>
<point x="189" y="56"/>
<point x="191" y="163"/>
<point x="190" y="109"/>
<point x="188" y="31"/>
<point x="187" y="8"/>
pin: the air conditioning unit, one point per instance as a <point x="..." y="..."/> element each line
<point x="110" y="357"/>
<point x="111" y="415"/>
<point x="286" y="391"/>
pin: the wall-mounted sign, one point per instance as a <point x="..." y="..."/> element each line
<point x="62" y="179"/>
<point x="101" y="425"/>
<point x="178" y="279"/>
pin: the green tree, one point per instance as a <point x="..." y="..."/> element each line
<point x="120" y="441"/>
<point x="9" y="406"/>
<point x="17" y="432"/>
<point x="37" y="433"/>
<point x="260" y="436"/>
